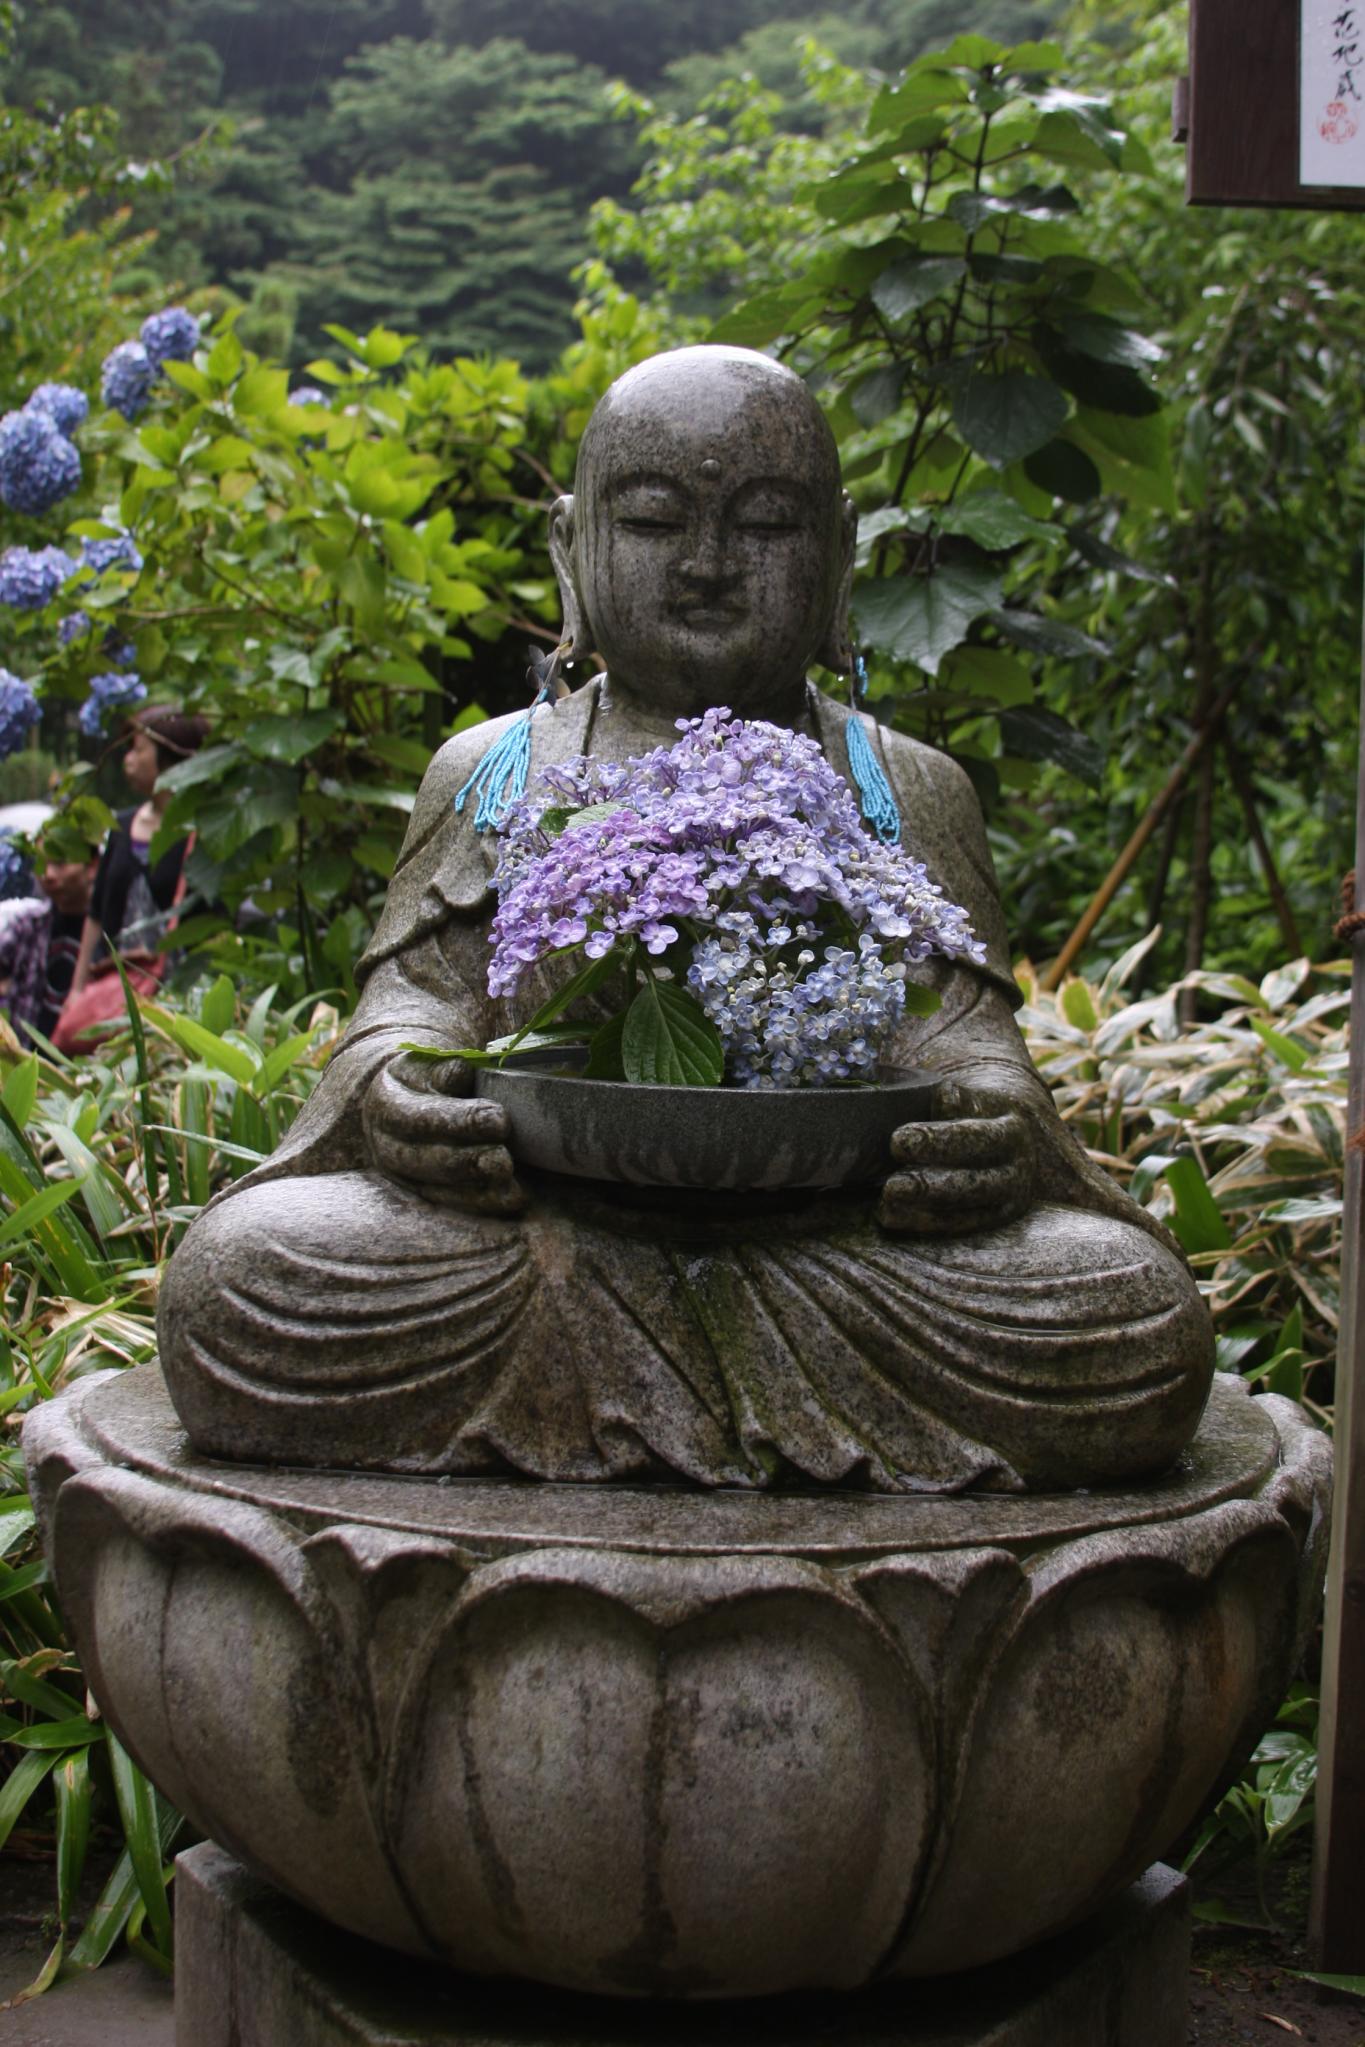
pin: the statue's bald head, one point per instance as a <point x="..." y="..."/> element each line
<point x="707" y="549"/>
<point x="679" y="405"/>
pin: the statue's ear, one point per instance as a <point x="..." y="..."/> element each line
<point x="836" y="648"/>
<point x="577" y="631"/>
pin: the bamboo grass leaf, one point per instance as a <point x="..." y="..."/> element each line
<point x="138" y="1812"/>
<point x="24" y="1779"/>
<point x="71" y="1782"/>
<point x="116" y="1901"/>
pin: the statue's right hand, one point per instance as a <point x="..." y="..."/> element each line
<point x="422" y="1127"/>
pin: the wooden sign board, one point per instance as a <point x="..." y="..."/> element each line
<point x="1276" y="108"/>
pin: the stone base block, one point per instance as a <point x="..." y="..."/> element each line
<point x="252" y="1969"/>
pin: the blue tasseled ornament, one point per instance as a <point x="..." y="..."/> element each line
<point x="878" y="804"/>
<point x="499" y="780"/>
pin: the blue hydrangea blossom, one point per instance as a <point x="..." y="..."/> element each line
<point x="126" y="378"/>
<point x="64" y="405"/>
<point x="14" y="869"/>
<point x="170" y="336"/>
<point x="739" y="859"/>
<point x="111" y="693"/>
<point x="308" y="394"/>
<point x="121" y="551"/>
<point x="18" y="713"/>
<point x="38" y="465"/>
<point x="30" y="577"/>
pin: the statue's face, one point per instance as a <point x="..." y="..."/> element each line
<point x="709" y="533"/>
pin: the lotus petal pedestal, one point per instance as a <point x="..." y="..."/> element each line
<point x="646" y="1741"/>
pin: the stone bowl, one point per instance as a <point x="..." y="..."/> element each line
<point x="651" y="1741"/>
<point x="724" y="1140"/>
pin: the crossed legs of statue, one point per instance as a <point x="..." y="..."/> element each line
<point x="309" y="1320"/>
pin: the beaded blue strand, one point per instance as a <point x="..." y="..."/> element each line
<point x="500" y="778"/>
<point x="879" y="806"/>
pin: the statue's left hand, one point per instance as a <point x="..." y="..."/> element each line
<point x="971" y="1168"/>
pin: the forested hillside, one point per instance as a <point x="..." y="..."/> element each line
<point x="417" y="161"/>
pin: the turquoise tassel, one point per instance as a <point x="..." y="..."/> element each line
<point x="879" y="805"/>
<point x="500" y="778"/>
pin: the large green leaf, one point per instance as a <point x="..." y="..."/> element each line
<point x="1045" y="635"/>
<point x="994" y="521"/>
<point x="1007" y="417"/>
<point x="876" y="396"/>
<point x="1064" y="471"/>
<point x="1111" y="387"/>
<point x="921" y="618"/>
<point x="668" y="1039"/>
<point x="923" y="89"/>
<point x="1110" y="341"/>
<point x="905" y="287"/>
<point x="1033" y="733"/>
<point x="291" y="739"/>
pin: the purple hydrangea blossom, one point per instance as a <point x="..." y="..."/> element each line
<point x="126" y="378"/>
<point x="74" y="626"/>
<point x="64" y="405"/>
<point x="30" y="577"/>
<point x="170" y="336"/>
<point x="18" y="713"/>
<point x="38" y="465"/>
<point x="743" y="848"/>
<point x="109" y="693"/>
<point x="121" y="551"/>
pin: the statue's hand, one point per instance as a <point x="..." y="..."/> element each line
<point x="971" y="1168"/>
<point x="422" y="1127"/>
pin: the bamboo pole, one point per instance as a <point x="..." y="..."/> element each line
<point x="1156" y="810"/>
<point x="1337" y="1923"/>
<point x="1279" y="897"/>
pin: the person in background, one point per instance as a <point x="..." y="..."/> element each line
<point x="40" y="935"/>
<point x="133" y="900"/>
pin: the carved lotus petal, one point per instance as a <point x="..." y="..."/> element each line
<point x="217" y="1662"/>
<point x="664" y="1778"/>
<point x="1141" y="1665"/>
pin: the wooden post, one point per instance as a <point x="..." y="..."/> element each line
<point x="1337" y="1920"/>
<point x="1275" y="116"/>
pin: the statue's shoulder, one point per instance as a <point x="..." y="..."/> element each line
<point x="939" y="777"/>
<point x="454" y="761"/>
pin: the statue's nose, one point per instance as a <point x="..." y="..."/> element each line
<point x="705" y="560"/>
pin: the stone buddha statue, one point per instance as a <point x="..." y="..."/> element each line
<point x="389" y="1292"/>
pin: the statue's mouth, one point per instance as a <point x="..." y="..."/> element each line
<point x="708" y="617"/>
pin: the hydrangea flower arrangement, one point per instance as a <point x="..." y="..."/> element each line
<point x="763" y="936"/>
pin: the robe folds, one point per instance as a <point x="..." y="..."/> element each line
<point x="318" y="1313"/>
